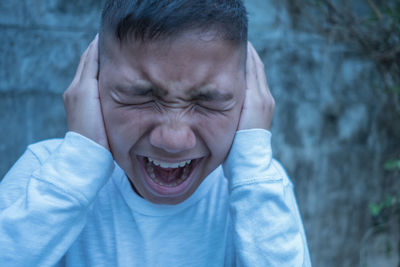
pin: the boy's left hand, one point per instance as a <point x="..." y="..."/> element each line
<point x="259" y="105"/>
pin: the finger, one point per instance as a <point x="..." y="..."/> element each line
<point x="258" y="90"/>
<point x="261" y="77"/>
<point x="255" y="54"/>
<point x="264" y="91"/>
<point x="81" y="62"/>
<point x="78" y="72"/>
<point x="251" y="73"/>
<point x="91" y="64"/>
<point x="83" y="59"/>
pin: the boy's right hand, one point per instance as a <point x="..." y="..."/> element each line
<point x="82" y="100"/>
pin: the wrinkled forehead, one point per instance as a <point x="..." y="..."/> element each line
<point x="188" y="60"/>
<point x="110" y="47"/>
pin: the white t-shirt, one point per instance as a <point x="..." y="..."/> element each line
<point x="67" y="203"/>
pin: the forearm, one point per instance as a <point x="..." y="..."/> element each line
<point x="39" y="225"/>
<point x="267" y="228"/>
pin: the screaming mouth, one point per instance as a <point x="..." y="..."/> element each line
<point x="168" y="174"/>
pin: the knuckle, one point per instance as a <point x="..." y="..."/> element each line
<point x="69" y="95"/>
<point x="272" y="99"/>
<point x="66" y="93"/>
<point x="83" y="56"/>
<point x="259" y="62"/>
<point x="272" y="103"/>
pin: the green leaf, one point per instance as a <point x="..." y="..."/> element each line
<point x="391" y="165"/>
<point x="375" y="209"/>
<point x="396" y="89"/>
<point x="388" y="201"/>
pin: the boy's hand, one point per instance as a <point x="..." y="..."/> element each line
<point x="258" y="107"/>
<point x="82" y="101"/>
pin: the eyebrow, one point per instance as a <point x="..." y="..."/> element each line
<point x="212" y="95"/>
<point x="142" y="90"/>
<point x="203" y="94"/>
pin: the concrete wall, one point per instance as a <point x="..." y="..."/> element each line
<point x="41" y="43"/>
<point x="332" y="130"/>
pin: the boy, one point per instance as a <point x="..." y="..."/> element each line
<point x="167" y="161"/>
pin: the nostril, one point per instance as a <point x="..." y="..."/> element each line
<point x="173" y="139"/>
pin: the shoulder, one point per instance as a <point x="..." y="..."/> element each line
<point x="44" y="148"/>
<point x="15" y="182"/>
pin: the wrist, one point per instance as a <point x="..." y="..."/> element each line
<point x="249" y="157"/>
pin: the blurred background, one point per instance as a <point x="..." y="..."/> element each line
<point x="333" y="67"/>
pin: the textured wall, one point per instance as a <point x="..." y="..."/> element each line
<point x="331" y="129"/>
<point x="41" y="43"/>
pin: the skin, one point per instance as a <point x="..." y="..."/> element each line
<point x="173" y="121"/>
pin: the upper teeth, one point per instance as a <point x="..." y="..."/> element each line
<point x="169" y="165"/>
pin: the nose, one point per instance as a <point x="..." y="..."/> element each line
<point x="173" y="137"/>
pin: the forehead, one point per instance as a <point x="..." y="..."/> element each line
<point x="189" y="60"/>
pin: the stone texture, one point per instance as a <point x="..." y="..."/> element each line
<point x="61" y="14"/>
<point x="27" y="118"/>
<point x="327" y="132"/>
<point x="40" y="60"/>
<point x="333" y="126"/>
<point x="11" y="12"/>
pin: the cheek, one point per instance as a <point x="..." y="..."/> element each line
<point x="125" y="127"/>
<point x="218" y="134"/>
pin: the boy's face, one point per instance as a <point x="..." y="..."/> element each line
<point x="171" y="110"/>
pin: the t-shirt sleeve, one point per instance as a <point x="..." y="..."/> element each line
<point x="267" y="227"/>
<point x="45" y="197"/>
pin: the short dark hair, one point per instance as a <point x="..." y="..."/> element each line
<point x="157" y="19"/>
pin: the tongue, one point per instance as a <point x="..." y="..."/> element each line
<point x="168" y="175"/>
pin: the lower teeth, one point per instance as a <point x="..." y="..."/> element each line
<point x="150" y="171"/>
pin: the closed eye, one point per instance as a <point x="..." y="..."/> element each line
<point x="207" y="109"/>
<point x="137" y="104"/>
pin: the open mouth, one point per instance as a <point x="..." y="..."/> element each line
<point x="168" y="175"/>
